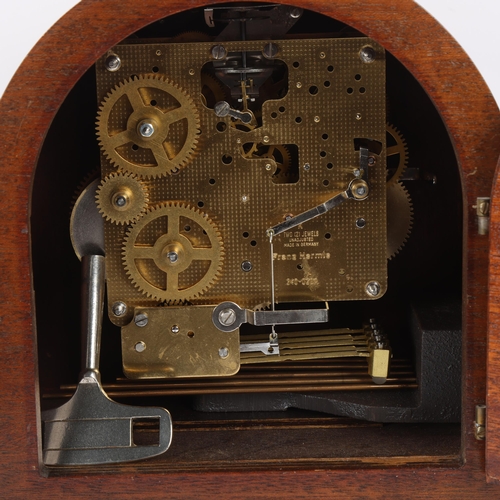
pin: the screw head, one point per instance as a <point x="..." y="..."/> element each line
<point x="358" y="116"/>
<point x="146" y="129"/>
<point x="270" y="50"/>
<point x="175" y="329"/>
<point x="266" y="138"/>
<point x="120" y="200"/>
<point x="307" y="166"/>
<point x="222" y="109"/>
<point x="140" y="347"/>
<point x="227" y="317"/>
<point x="244" y="198"/>
<point x="173" y="257"/>
<point x="360" y="223"/>
<point x="246" y="266"/>
<point x="295" y="13"/>
<point x="373" y="288"/>
<point x="367" y="54"/>
<point x="359" y="189"/>
<point x="113" y="63"/>
<point x="219" y="52"/>
<point x="141" y="320"/>
<point x="223" y="352"/>
<point x="119" y="308"/>
<point x="317" y="119"/>
<point x="268" y="166"/>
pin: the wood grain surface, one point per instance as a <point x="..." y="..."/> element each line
<point x="26" y="111"/>
<point x="493" y="366"/>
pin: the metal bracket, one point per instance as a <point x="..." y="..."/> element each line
<point x="270" y="348"/>
<point x="482" y="207"/>
<point x="357" y="189"/>
<point x="229" y="316"/>
<point x="480" y="423"/>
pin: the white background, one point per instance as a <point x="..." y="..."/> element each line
<point x="474" y="23"/>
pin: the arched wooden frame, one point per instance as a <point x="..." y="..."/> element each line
<point x="26" y="111"/>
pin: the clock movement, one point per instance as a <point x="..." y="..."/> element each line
<point x="257" y="242"/>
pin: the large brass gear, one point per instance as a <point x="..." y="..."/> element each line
<point x="122" y="198"/>
<point x="399" y="218"/>
<point x="127" y="141"/>
<point x="397" y="153"/>
<point x="173" y="253"/>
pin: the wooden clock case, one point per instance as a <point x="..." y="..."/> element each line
<point x="469" y="112"/>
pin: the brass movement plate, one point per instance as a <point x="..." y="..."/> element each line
<point x="215" y="192"/>
<point x="179" y="342"/>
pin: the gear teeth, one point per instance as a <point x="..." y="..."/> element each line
<point x="399" y="218"/>
<point x="175" y="303"/>
<point x="264" y="306"/>
<point x="91" y="176"/>
<point x="138" y="198"/>
<point x="164" y="166"/>
<point x="402" y="145"/>
<point x="216" y="87"/>
<point x="215" y="254"/>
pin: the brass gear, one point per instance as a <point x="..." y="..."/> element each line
<point x="122" y="198"/>
<point x="170" y="261"/>
<point x="397" y="153"/>
<point x="213" y="90"/>
<point x="263" y="306"/>
<point x="89" y="177"/>
<point x="148" y="100"/>
<point x="399" y="218"/>
<point x="281" y="156"/>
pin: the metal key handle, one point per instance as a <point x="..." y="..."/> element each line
<point x="91" y="428"/>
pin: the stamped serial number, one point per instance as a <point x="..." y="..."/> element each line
<point x="309" y="282"/>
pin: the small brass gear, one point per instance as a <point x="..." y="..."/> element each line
<point x="122" y="198"/>
<point x="399" y="218"/>
<point x="173" y="253"/>
<point x="397" y="153"/>
<point x="281" y="156"/>
<point x="148" y="126"/>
